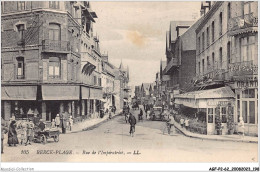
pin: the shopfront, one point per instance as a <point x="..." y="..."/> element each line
<point x="246" y="93"/>
<point x="19" y="101"/>
<point x="207" y="102"/>
<point x="57" y="99"/>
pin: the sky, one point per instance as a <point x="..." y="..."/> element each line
<point x="135" y="33"/>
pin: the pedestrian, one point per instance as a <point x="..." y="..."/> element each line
<point x="182" y="122"/>
<point x="63" y="123"/>
<point x="132" y="122"/>
<point x="70" y="123"/>
<point x="141" y="115"/>
<point x="241" y="129"/>
<point x="4" y="130"/>
<point x="53" y="123"/>
<point x="12" y="134"/>
<point x="115" y="109"/>
<point x="57" y="120"/>
<point x="29" y="132"/>
<point x="186" y="123"/>
<point x="23" y="132"/>
<point x="110" y="114"/>
<point x="41" y="125"/>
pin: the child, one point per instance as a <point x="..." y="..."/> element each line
<point x="23" y="132"/>
<point x="182" y="122"/>
<point x="70" y="123"/>
<point x="53" y="123"/>
<point x="29" y="133"/>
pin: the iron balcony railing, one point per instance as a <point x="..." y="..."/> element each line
<point x="243" y="22"/>
<point x="243" y="68"/>
<point x="55" y="45"/>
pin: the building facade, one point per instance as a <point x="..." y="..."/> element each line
<point x="226" y="66"/>
<point x="47" y="59"/>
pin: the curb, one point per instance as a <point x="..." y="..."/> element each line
<point x="95" y="125"/>
<point x="216" y="139"/>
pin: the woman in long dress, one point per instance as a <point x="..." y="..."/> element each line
<point x="12" y="134"/>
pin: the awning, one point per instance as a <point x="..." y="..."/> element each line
<point x="60" y="92"/>
<point x="84" y="92"/>
<point x="223" y="92"/>
<point x="95" y="94"/>
<point x="18" y="92"/>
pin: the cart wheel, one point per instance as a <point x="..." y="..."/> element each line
<point x="56" y="138"/>
<point x="43" y="139"/>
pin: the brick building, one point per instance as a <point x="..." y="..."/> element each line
<point x="48" y="59"/>
<point x="226" y="66"/>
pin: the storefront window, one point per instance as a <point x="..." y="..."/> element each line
<point x="224" y="116"/>
<point x="250" y="93"/>
<point x="252" y="112"/>
<point x="210" y="115"/>
<point x="244" y="111"/>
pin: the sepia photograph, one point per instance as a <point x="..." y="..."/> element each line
<point x="129" y="82"/>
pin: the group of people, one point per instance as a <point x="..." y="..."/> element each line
<point x="26" y="131"/>
<point x="184" y="123"/>
<point x="62" y="122"/>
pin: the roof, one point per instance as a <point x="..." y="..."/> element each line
<point x="174" y="24"/>
<point x="223" y="92"/>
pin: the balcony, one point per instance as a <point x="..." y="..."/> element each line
<point x="170" y="66"/>
<point x="55" y="46"/>
<point x="241" y="70"/>
<point x="243" y="24"/>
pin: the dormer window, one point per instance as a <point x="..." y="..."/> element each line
<point x="21" y="29"/>
<point x="54" y="4"/>
<point x="21" y="5"/>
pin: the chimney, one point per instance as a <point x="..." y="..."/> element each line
<point x="202" y="10"/>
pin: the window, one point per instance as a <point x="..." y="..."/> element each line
<point x="247" y="8"/>
<point x="213" y="31"/>
<point x="210" y="115"/>
<point x="229" y="11"/>
<point x="249" y="93"/>
<point x="54" y="67"/>
<point x="20" y="67"/>
<point x="228" y="53"/>
<point x="21" y="29"/>
<point x="99" y="81"/>
<point x="208" y="63"/>
<point x="203" y="41"/>
<point x="95" y="80"/>
<point x="213" y="60"/>
<point x="220" y="24"/>
<point x="199" y="44"/>
<point x="199" y="67"/>
<point x="207" y="36"/>
<point x="21" y="5"/>
<point x="54" y="4"/>
<point x="203" y="66"/>
<point x="247" y="48"/>
<point x="220" y="58"/>
<point x="54" y="31"/>
<point x="224" y="114"/>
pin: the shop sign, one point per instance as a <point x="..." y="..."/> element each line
<point x="247" y="84"/>
<point x="220" y="103"/>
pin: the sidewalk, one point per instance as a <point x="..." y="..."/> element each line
<point x="234" y="138"/>
<point x="89" y="123"/>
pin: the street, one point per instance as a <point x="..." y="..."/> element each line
<point x="111" y="142"/>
